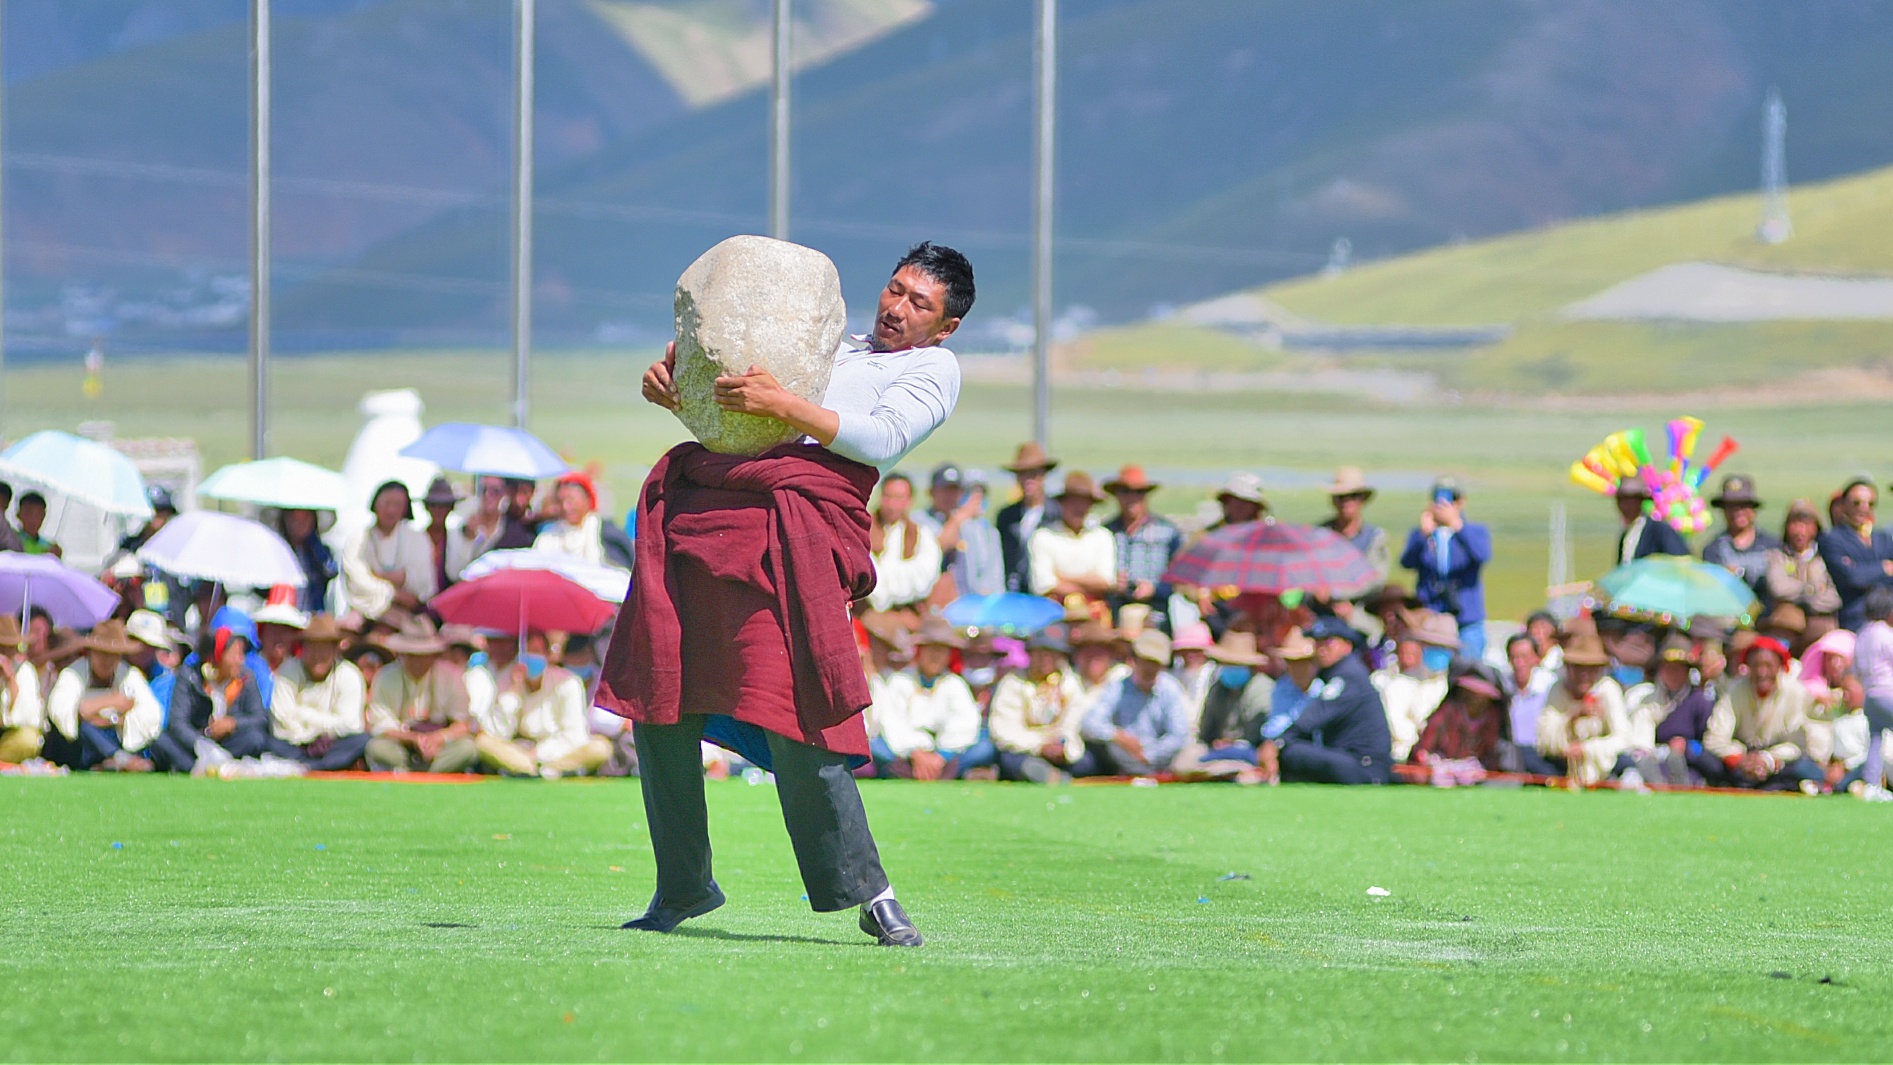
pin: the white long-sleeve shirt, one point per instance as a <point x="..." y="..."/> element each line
<point x="899" y="580"/>
<point x="406" y="549"/>
<point x="1028" y="715"/>
<point x="889" y="401"/>
<point x="301" y="709"/>
<point x="22" y="707"/>
<point x="137" y="727"/>
<point x="553" y="718"/>
<point x="583" y="541"/>
<point x="944" y="717"/>
<point x="1058" y="554"/>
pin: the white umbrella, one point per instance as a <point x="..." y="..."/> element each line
<point x="85" y="470"/>
<point x="285" y="483"/>
<point x="606" y="583"/>
<point x="235" y="552"/>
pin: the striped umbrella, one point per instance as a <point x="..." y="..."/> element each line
<point x="1270" y="557"/>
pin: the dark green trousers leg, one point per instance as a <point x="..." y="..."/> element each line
<point x="670" y="767"/>
<point x="827" y="826"/>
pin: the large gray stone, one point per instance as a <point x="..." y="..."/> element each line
<point x="754" y="301"/>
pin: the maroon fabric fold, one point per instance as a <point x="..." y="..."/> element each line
<point x="739" y="604"/>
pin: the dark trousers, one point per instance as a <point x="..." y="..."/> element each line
<point x="1109" y="759"/>
<point x="1788" y="778"/>
<point x="1305" y="763"/>
<point x="821" y="806"/>
<point x="1019" y="766"/>
<point x="248" y="741"/>
<point x="93" y="745"/>
<point x="344" y="751"/>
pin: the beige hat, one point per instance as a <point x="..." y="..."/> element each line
<point x="148" y="628"/>
<point x="1152" y="646"/>
<point x="936" y="631"/>
<point x="1131" y="619"/>
<point x="1585" y="649"/>
<point x="1237" y="649"/>
<point x="1094" y="633"/>
<point x="417" y="636"/>
<point x="1079" y="483"/>
<point x="1433" y="629"/>
<point x="1350" y="481"/>
<point x="109" y="637"/>
<point x="1245" y="486"/>
<point x="1296" y="647"/>
<point x="1030" y="458"/>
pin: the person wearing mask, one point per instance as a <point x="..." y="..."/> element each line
<point x="302" y="530"/>
<point x="1233" y="708"/>
<point x="22" y="711"/>
<point x="1340" y="734"/>
<point x="906" y="555"/>
<point x="930" y="719"/>
<point x="1145" y="541"/>
<point x="970" y="550"/>
<point x="392" y="562"/>
<point x="1757" y="735"/>
<point x="417" y="707"/>
<point x="1644" y="533"/>
<point x="1139" y="723"/>
<point x="1858" y="553"/>
<point x="537" y="725"/>
<point x="31" y="514"/>
<point x="1413" y="685"/>
<point x="1297" y="687"/>
<point x="1018" y="520"/>
<point x="1742" y="547"/>
<point x="1074" y="555"/>
<point x="1584" y="725"/>
<point x="320" y="702"/>
<point x="1036" y="717"/>
<point x="1193" y="667"/>
<point x="1798" y="576"/>
<point x="1449" y="554"/>
<point x="216" y="706"/>
<point x="100" y="708"/>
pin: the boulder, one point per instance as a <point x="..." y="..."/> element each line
<point x="754" y="301"/>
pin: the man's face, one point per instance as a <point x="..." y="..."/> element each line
<point x="278" y="641"/>
<point x="32" y="516"/>
<point x="1673" y="675"/>
<point x="1144" y="672"/>
<point x="1630" y="508"/>
<point x="417" y="666"/>
<point x="1074" y="509"/>
<point x="1524" y="658"/>
<point x="1134" y="504"/>
<point x="1093" y="661"/>
<point x="1032" y="486"/>
<point x="932" y="659"/>
<point x="319" y="658"/>
<point x="897" y="498"/>
<point x="492" y="496"/>
<point x="1409" y="655"/>
<point x="945" y="497"/>
<point x="104" y="663"/>
<point x="1236" y="511"/>
<point x="1348" y="507"/>
<point x="1302" y="671"/>
<point x="299" y="524"/>
<point x="912" y="312"/>
<point x="1764" y="671"/>
<point x="522" y="496"/>
<point x="1860" y="502"/>
<point x="1579" y="680"/>
<point x="1741" y="517"/>
<point x="1331" y="651"/>
<point x="1044" y="662"/>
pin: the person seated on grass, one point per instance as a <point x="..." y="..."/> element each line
<point x="1036" y="715"/>
<point x="417" y="707"/>
<point x="1340" y="735"/>
<point x="1584" y="725"/>
<point x="1527" y="685"/>
<point x="101" y="710"/>
<point x="32" y="516"/>
<point x="1464" y="737"/>
<point x="1097" y="659"/>
<point x="1827" y="672"/>
<point x="1758" y="735"/>
<point x="22" y="711"/>
<point x="279" y="626"/>
<point x="1292" y="691"/>
<point x="485" y="679"/>
<point x="1667" y="718"/>
<point x="1139" y="722"/>
<point x="538" y="724"/>
<point x="1413" y="685"/>
<point x="216" y="704"/>
<point x="321" y="700"/>
<point x="1234" y="708"/>
<point x="1873" y="665"/>
<point x="930" y="721"/>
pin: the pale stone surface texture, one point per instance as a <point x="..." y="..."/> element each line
<point x="754" y="301"/>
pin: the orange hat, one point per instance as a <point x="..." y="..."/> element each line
<point x="583" y="480"/>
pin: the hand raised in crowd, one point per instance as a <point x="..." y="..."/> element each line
<point x="1429" y="524"/>
<point x="660" y="386"/>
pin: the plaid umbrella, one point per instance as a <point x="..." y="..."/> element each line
<point x="1271" y="557"/>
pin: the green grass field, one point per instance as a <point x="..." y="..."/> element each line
<point x="172" y="919"/>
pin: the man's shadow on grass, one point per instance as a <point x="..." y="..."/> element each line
<point x="700" y="932"/>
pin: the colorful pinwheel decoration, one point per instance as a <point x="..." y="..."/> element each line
<point x="1675" y="486"/>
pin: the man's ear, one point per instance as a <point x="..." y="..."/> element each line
<point x="946" y="329"/>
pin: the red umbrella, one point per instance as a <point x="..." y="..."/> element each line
<point x="513" y="599"/>
<point x="1270" y="557"/>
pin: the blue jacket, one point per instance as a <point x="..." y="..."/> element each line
<point x="1460" y="591"/>
<point x="1346" y="716"/>
<point x="1856" y="567"/>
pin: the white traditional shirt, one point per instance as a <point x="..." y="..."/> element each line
<point x="899" y="580"/>
<point x="301" y="710"/>
<point x="944" y="717"/>
<point x="397" y="701"/>
<point x="407" y="549"/>
<point x="551" y="718"/>
<point x="583" y="541"/>
<point x="22" y="706"/>
<point x="1409" y="702"/>
<point x="1600" y="736"/>
<point x="1058" y="554"/>
<point x="137" y="727"/>
<point x="1741" y="723"/>
<point x="1028" y="715"/>
<point x="889" y="401"/>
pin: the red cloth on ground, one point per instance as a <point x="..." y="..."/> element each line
<point x="739" y="605"/>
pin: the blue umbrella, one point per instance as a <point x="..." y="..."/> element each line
<point x="489" y="449"/>
<point x="1010" y="612"/>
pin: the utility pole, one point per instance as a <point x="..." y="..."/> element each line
<point x="779" y="123"/>
<point x="1045" y="58"/>
<point x="1775" y="227"/>
<point x="522" y="209"/>
<point x="259" y="226"/>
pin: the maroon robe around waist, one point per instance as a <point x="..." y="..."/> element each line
<point x="739" y="605"/>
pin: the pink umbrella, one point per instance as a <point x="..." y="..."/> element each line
<point x="514" y="599"/>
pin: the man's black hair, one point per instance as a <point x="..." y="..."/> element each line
<point x="6" y="492"/>
<point x="33" y="497"/>
<point x="946" y="266"/>
<point x="1878" y="602"/>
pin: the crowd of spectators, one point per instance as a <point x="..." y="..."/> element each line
<point x="1142" y="678"/>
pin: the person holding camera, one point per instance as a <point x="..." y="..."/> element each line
<point x="1448" y="554"/>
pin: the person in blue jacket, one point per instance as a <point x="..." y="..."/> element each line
<point x="1341" y="735"/>
<point x="1448" y="553"/>
<point x="1858" y="553"/>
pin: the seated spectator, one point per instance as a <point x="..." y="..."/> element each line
<point x="391" y="563"/>
<point x="1340" y="736"/>
<point x="1584" y="725"/>
<point x="100" y="708"/>
<point x="1827" y="672"/>
<point x="417" y="708"/>
<point x="216" y="706"/>
<point x="1873" y="665"/>
<point x="1546" y="634"/>
<point x="1036" y="719"/>
<point x="1757" y="735"/>
<point x="1709" y="646"/>
<point x="930" y="720"/>
<point x="32" y="518"/>
<point x="485" y="679"/>
<point x="1858" y="553"/>
<point x="320" y="703"/>
<point x="906" y="556"/>
<point x="1349" y="495"/>
<point x="279" y="626"/>
<point x="1074" y="555"/>
<point x="1527" y="683"/>
<point x="985" y="659"/>
<point x="439" y="502"/>
<point x="302" y="530"/>
<point x="580" y="530"/>
<point x="463" y="642"/>
<point x="1229" y="726"/>
<point x="1143" y="544"/>
<point x="159" y="652"/>
<point x="22" y="712"/>
<point x="1644" y="533"/>
<point x="971" y="560"/>
<point x="1388" y="609"/>
<point x="1448" y="554"/>
<point x="1415" y="684"/>
<point x="1193" y="668"/>
<point x="1097" y="659"/>
<point x="1139" y="722"/>
<point x="1798" y="576"/>
<point x="1464" y="738"/>
<point x="1291" y="693"/>
<point x="1241" y="500"/>
<point x="1668" y="717"/>
<point x="538" y="724"/>
<point x="481" y="528"/>
<point x="1742" y="547"/>
<point x="368" y="658"/>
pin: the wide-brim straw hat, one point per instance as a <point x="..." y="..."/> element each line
<point x="1193" y="637"/>
<point x="1350" y="481"/>
<point x="108" y="637"/>
<point x="1094" y="634"/>
<point x="417" y="636"/>
<point x="1296" y="647"/>
<point x="1079" y="483"/>
<point x="1237" y="649"/>
<point x="1784" y="616"/>
<point x="1131" y="478"/>
<point x="1030" y="458"/>
<point x="323" y="628"/>
<point x="145" y="626"/>
<point x="1585" y="649"/>
<point x="1433" y="629"/>
<point x="1152" y="646"/>
<point x="938" y="632"/>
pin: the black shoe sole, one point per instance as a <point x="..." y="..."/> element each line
<point x="664" y="921"/>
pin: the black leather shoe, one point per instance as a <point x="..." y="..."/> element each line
<point x="664" y="918"/>
<point x="888" y="924"/>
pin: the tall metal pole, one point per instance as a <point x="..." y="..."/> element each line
<point x="779" y="124"/>
<point x="522" y="210"/>
<point x="259" y="227"/>
<point x="1046" y="60"/>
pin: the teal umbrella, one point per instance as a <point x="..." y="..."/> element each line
<point x="1672" y="588"/>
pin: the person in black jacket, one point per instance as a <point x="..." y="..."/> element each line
<point x="216" y="699"/>
<point x="1017" y="521"/>
<point x="1644" y="534"/>
<point x="1341" y="736"/>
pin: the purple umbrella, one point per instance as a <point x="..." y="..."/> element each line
<point x="75" y="600"/>
<point x="1270" y="557"/>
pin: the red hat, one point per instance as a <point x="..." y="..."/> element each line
<point x="1765" y="643"/>
<point x="583" y="480"/>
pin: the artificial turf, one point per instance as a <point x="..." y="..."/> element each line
<point x="171" y="919"/>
